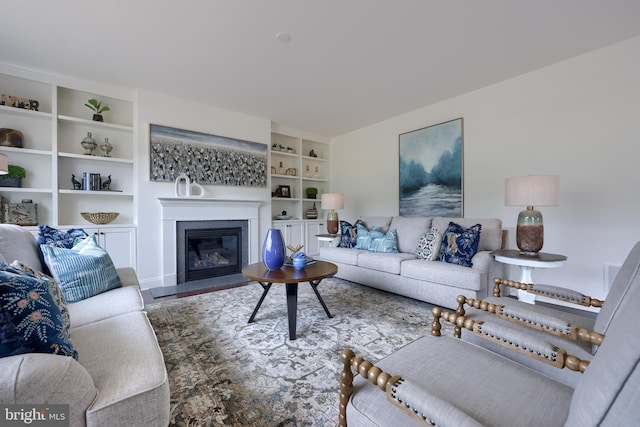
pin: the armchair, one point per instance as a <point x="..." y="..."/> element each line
<point x="579" y="335"/>
<point x="445" y="381"/>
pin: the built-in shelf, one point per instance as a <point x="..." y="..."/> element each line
<point x="93" y="123"/>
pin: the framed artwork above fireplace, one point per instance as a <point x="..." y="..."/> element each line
<point x="205" y="158"/>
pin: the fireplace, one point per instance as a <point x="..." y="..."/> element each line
<point x="210" y="249"/>
<point x="203" y="210"/>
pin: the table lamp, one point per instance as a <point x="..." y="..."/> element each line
<point x="538" y="190"/>
<point x="332" y="201"/>
<point x="4" y="164"/>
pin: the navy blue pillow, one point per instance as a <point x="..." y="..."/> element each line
<point x="460" y="244"/>
<point x="31" y="321"/>
<point x="61" y="239"/>
<point x="348" y="236"/>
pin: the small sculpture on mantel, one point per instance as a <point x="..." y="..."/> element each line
<point x="312" y="153"/>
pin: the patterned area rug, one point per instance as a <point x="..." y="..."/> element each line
<point x="226" y="372"/>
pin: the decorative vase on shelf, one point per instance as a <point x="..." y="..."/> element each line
<point x="106" y="148"/>
<point x="273" y="250"/>
<point x="89" y="144"/>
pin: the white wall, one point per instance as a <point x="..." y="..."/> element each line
<point x="161" y="109"/>
<point x="578" y="119"/>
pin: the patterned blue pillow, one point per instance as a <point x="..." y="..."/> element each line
<point x="348" y="234"/>
<point x="387" y="243"/>
<point x="459" y="245"/>
<point x="82" y="271"/>
<point x="54" y="290"/>
<point x="54" y="237"/>
<point x="30" y="321"/>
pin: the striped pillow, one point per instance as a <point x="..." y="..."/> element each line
<point x="83" y="271"/>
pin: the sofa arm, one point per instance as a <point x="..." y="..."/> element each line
<point x="37" y="378"/>
<point x="128" y="276"/>
<point x="426" y="407"/>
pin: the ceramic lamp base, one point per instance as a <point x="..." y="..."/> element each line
<point x="332" y="222"/>
<point x="530" y="231"/>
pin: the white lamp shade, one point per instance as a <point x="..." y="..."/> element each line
<point x="4" y="164"/>
<point x="532" y="190"/>
<point x="332" y="201"/>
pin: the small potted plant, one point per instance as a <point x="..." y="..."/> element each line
<point x="97" y="107"/>
<point x="14" y="177"/>
<point x="312" y="192"/>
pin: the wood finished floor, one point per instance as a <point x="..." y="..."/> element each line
<point x="149" y="299"/>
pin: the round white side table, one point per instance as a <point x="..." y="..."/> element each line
<point x="527" y="264"/>
<point x="327" y="238"/>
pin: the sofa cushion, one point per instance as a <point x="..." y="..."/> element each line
<point x="491" y="237"/>
<point x="82" y="271"/>
<point x="409" y="230"/>
<point x="117" y="301"/>
<point x="428" y="248"/>
<point x="387" y="262"/>
<point x="382" y="222"/>
<point x="16" y="243"/>
<point x="31" y="321"/>
<point x="128" y="393"/>
<point x="460" y="244"/>
<point x="444" y="273"/>
<point x="341" y="255"/>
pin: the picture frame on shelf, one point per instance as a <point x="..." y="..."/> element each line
<point x="431" y="170"/>
<point x="283" y="191"/>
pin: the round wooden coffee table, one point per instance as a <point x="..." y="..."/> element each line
<point x="290" y="277"/>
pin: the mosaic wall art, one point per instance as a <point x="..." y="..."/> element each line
<point x="206" y="159"/>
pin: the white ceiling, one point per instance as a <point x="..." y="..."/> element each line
<point x="349" y="64"/>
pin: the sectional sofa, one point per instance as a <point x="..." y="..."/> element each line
<point x="119" y="377"/>
<point x="404" y="273"/>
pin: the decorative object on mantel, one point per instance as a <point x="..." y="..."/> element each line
<point x="312" y="154"/>
<point x="100" y="218"/>
<point x="97" y="107"/>
<point x="89" y="144"/>
<point x="11" y="138"/>
<point x="273" y="250"/>
<point x="24" y="213"/>
<point x="106" y="148"/>
<point x="14" y="177"/>
<point x="18" y="102"/>
<point x="184" y="187"/>
<point x="212" y="159"/>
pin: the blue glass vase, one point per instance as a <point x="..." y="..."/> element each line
<point x="273" y="250"/>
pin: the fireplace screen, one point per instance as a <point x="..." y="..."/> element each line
<point x="212" y="252"/>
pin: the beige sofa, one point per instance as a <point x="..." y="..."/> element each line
<point x="119" y="378"/>
<point x="405" y="274"/>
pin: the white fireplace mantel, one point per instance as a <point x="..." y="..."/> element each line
<point x="176" y="209"/>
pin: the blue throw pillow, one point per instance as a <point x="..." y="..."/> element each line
<point x="385" y="243"/>
<point x="82" y="271"/>
<point x="53" y="237"/>
<point x="30" y="320"/>
<point x="348" y="234"/>
<point x="460" y="244"/>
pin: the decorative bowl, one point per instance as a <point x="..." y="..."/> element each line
<point x="100" y="217"/>
<point x="283" y="216"/>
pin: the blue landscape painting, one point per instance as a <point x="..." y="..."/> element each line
<point x="431" y="171"/>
